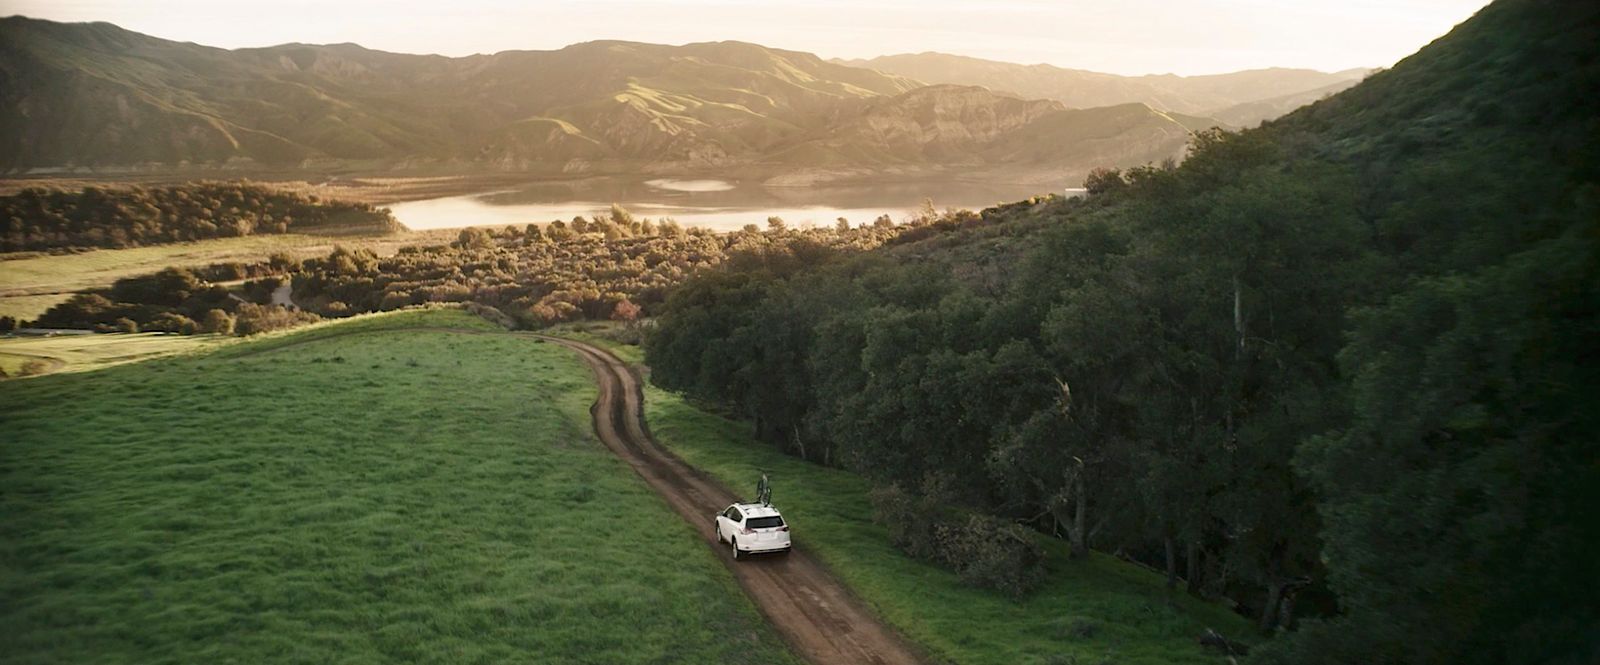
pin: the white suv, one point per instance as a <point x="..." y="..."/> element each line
<point x="751" y="528"/>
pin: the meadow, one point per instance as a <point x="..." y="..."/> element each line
<point x="87" y="352"/>
<point x="355" y="488"/>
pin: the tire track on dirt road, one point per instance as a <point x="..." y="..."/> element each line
<point x="821" y="619"/>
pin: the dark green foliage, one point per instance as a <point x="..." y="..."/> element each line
<point x="1341" y="366"/>
<point x="986" y="552"/>
<point x="47" y="219"/>
<point x="170" y="287"/>
<point x="163" y="301"/>
<point x="1104" y="181"/>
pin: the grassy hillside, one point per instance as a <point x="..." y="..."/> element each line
<point x="1082" y="89"/>
<point x="76" y="353"/>
<point x="972" y="126"/>
<point x="141" y="100"/>
<point x="387" y="496"/>
<point x="27" y="308"/>
<point x="1251" y="114"/>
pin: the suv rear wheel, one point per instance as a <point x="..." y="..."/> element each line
<point x="735" y="543"/>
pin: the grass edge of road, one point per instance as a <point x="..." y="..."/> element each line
<point x="1099" y="610"/>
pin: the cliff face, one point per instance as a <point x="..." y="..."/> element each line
<point x="97" y="96"/>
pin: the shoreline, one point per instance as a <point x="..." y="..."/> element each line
<point x="386" y="187"/>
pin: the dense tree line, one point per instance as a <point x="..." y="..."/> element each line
<point x="1346" y="360"/>
<point x="39" y="219"/>
<point x="177" y="300"/>
<point x="614" y="266"/>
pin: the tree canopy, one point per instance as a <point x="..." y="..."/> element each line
<point x="1339" y="369"/>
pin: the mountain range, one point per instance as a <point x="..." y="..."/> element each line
<point x="1240" y="98"/>
<point x="93" y="96"/>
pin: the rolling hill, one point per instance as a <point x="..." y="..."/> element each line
<point x="95" y="96"/>
<point x="1195" y="95"/>
<point x="972" y="126"/>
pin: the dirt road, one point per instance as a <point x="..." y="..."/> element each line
<point x="819" y="617"/>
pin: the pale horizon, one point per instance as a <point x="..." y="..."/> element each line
<point x="1134" y="38"/>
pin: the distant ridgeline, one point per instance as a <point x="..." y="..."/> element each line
<point x="47" y="219"/>
<point x="1342" y="369"/>
<point x="95" y="96"/>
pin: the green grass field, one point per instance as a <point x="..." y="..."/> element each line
<point x="386" y="496"/>
<point x="1100" y="610"/>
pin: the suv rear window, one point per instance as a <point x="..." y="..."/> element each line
<point x="763" y="522"/>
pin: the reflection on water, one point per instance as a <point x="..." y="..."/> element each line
<point x="717" y="204"/>
<point x="671" y="185"/>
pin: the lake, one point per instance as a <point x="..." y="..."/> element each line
<point x="722" y="205"/>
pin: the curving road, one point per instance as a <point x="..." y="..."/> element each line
<point x="819" y="617"/>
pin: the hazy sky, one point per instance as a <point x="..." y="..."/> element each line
<point x="1118" y="36"/>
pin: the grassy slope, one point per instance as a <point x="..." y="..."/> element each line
<point x="28" y="308"/>
<point x="1100" y="610"/>
<point x="76" y="272"/>
<point x="87" y="352"/>
<point x="389" y="496"/>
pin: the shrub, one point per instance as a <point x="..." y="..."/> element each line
<point x="217" y="321"/>
<point x="985" y="551"/>
<point x="625" y="311"/>
<point x="992" y="554"/>
<point x="260" y="290"/>
<point x="254" y="319"/>
<point x="126" y="325"/>
<point x="1103" y="181"/>
<point x="172" y="323"/>
<point x="493" y="315"/>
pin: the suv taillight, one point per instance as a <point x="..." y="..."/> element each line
<point x="746" y="531"/>
<point x="785" y="528"/>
